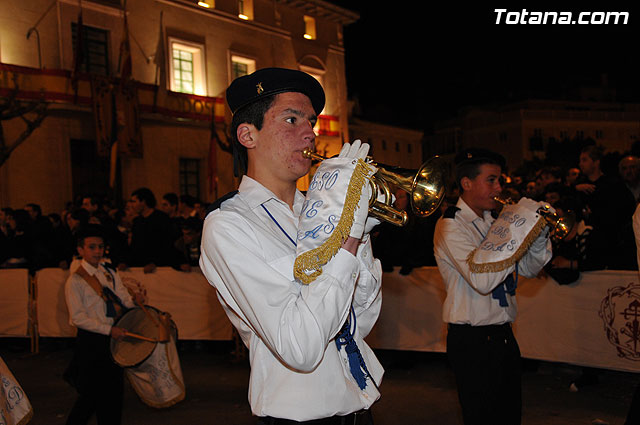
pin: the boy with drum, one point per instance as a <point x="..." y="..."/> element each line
<point x="96" y="298"/>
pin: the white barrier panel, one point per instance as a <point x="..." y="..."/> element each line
<point x="14" y="302"/>
<point x="190" y="300"/>
<point x="188" y="297"/>
<point x="411" y="315"/>
<point x="53" y="316"/>
<point x="592" y="322"/>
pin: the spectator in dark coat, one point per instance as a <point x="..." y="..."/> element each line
<point x="40" y="236"/>
<point x="151" y="241"/>
<point x="62" y="242"/>
<point x="18" y="239"/>
<point x="629" y="169"/>
<point x="170" y="205"/>
<point x="609" y="206"/>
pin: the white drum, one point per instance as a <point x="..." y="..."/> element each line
<point x="153" y="368"/>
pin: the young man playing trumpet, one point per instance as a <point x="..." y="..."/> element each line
<point x="299" y="369"/>
<point x="480" y="306"/>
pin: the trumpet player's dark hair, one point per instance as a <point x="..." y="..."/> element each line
<point x="250" y="114"/>
<point x="468" y="163"/>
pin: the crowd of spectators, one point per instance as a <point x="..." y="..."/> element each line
<point x="149" y="233"/>
<point x="144" y="233"/>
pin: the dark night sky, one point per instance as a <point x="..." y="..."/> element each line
<point x="410" y="67"/>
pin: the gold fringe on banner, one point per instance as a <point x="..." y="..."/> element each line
<point x="520" y="252"/>
<point x="308" y="265"/>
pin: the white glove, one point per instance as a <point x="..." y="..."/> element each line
<point x="532" y="205"/>
<point x="361" y="224"/>
<point x="372" y="221"/>
<point x="355" y="150"/>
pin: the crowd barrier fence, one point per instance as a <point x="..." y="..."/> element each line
<point x="593" y="322"/>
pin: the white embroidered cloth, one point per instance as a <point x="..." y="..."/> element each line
<point x="328" y="213"/>
<point x="508" y="238"/>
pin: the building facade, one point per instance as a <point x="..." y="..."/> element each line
<point x="521" y="131"/>
<point x="183" y="55"/>
<point x="389" y="144"/>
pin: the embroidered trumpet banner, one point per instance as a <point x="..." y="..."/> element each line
<point x="327" y="213"/>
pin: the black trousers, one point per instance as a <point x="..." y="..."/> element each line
<point x="633" y="416"/>
<point x="98" y="380"/>
<point x="487" y="367"/>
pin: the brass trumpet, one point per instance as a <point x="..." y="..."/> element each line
<point x="426" y="188"/>
<point x="560" y="226"/>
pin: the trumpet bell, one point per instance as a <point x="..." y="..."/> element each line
<point x="428" y="189"/>
<point x="425" y="187"/>
<point x="562" y="225"/>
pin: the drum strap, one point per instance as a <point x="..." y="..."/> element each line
<point x="115" y="308"/>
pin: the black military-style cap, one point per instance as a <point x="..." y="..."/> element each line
<point x="479" y="155"/>
<point x="269" y="81"/>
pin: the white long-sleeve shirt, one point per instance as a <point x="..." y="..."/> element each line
<point x="87" y="310"/>
<point x="297" y="371"/>
<point x="469" y="299"/>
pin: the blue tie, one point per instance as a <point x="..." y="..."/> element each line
<point x="356" y="362"/>
<point x="508" y="286"/>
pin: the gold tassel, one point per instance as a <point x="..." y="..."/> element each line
<point x="520" y="252"/>
<point x="308" y="265"/>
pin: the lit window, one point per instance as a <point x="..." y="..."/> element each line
<point x="183" y="70"/>
<point x="187" y="67"/>
<point x="241" y="66"/>
<point x="309" y="28"/>
<point x="245" y="9"/>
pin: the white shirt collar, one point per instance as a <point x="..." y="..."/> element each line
<point x="255" y="194"/>
<point x="467" y="214"/>
<point x="89" y="268"/>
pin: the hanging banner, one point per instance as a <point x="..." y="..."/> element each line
<point x="102" y="96"/>
<point x="127" y="126"/>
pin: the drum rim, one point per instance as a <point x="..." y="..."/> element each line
<point x="114" y="342"/>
